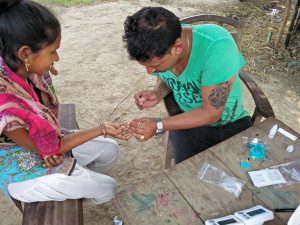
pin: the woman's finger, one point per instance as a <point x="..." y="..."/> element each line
<point x="47" y="164"/>
<point x="52" y="161"/>
<point x="58" y="159"/>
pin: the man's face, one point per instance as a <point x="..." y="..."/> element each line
<point x="160" y="64"/>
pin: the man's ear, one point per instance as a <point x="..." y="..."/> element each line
<point x="177" y="47"/>
<point x="24" y="52"/>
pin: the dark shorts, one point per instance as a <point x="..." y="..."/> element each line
<point x="187" y="143"/>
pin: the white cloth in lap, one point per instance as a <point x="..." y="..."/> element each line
<point x="95" y="159"/>
<point x="97" y="154"/>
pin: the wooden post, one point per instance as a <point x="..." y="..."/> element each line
<point x="283" y="24"/>
<point x="293" y="24"/>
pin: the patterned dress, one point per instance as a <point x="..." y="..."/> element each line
<point x="21" y="107"/>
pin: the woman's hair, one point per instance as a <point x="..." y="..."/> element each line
<point x="150" y="32"/>
<point x="24" y="22"/>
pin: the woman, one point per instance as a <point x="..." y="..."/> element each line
<point x="34" y="165"/>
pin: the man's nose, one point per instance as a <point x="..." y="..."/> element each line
<point x="150" y="70"/>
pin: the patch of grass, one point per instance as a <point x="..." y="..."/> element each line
<point x="67" y="2"/>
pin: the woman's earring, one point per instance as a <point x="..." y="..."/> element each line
<point x="26" y="64"/>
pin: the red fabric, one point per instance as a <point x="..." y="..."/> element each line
<point x="21" y="107"/>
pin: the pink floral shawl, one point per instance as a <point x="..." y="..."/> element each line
<point x="21" y="107"/>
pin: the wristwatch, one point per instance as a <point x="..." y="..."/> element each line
<point x="159" y="127"/>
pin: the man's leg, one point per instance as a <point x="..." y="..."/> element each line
<point x="187" y="143"/>
<point x="234" y="128"/>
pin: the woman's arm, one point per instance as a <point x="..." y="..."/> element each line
<point x="21" y="137"/>
<point x="69" y="141"/>
<point x="73" y="140"/>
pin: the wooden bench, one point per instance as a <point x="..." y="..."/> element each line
<point x="69" y="212"/>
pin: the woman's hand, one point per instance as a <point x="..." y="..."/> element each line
<point x="120" y="131"/>
<point x="52" y="161"/>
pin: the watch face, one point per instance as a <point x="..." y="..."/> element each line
<point x="159" y="127"/>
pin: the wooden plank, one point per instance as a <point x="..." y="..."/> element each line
<point x="208" y="200"/>
<point x="51" y="213"/>
<point x="233" y="151"/>
<point x="155" y="200"/>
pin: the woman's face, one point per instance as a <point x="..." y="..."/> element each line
<point x="42" y="61"/>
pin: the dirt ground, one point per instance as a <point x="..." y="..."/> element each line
<point x="96" y="75"/>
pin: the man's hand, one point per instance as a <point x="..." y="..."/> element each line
<point x="52" y="161"/>
<point x="143" y="128"/>
<point x="146" y="99"/>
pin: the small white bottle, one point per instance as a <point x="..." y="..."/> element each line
<point x="290" y="148"/>
<point x="273" y="131"/>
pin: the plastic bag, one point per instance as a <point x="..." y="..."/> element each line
<point x="290" y="171"/>
<point x="256" y="148"/>
<point x="213" y="175"/>
<point x="117" y="221"/>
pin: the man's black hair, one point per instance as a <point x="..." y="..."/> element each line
<point x="150" y="32"/>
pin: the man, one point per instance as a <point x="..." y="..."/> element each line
<point x="200" y="64"/>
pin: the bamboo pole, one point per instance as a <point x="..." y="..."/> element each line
<point x="289" y="33"/>
<point x="283" y="24"/>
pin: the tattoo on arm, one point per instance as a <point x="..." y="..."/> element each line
<point x="218" y="96"/>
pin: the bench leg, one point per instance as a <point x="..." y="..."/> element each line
<point x="18" y="204"/>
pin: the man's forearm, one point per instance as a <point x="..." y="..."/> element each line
<point x="161" y="88"/>
<point x="194" y="118"/>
